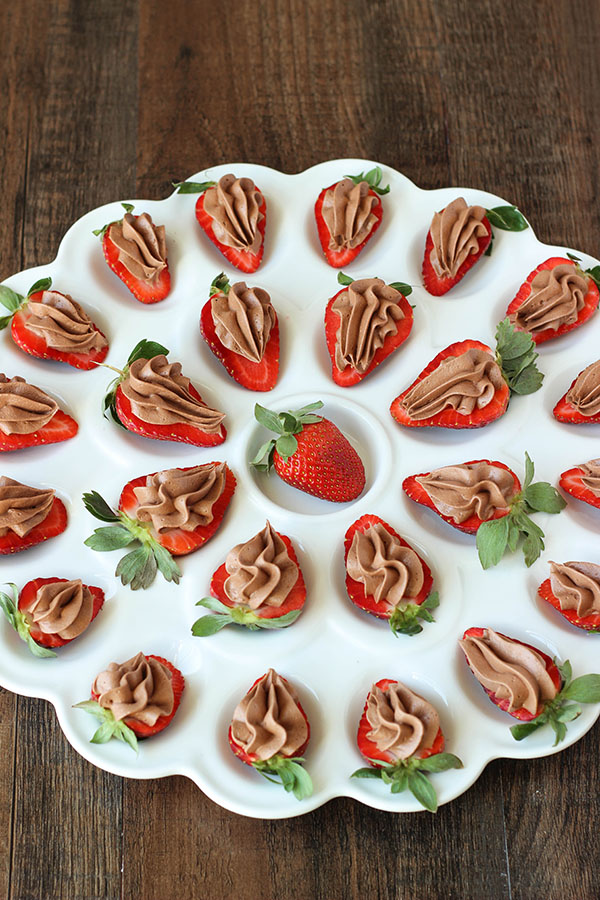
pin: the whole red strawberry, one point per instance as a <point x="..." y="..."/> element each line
<point x="310" y="453"/>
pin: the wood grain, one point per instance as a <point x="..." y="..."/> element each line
<point x="106" y="100"/>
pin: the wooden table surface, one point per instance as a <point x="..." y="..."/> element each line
<point x="113" y="99"/>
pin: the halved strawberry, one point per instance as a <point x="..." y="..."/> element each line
<point x="53" y="525"/>
<point x="256" y="376"/>
<point x="566" y="412"/>
<point x="451" y="418"/>
<point x="590" y="301"/>
<point x="118" y="407"/>
<point x="36" y="345"/>
<point x="264" y="617"/>
<point x="350" y="376"/>
<point x="175" y="540"/>
<point x="140" y="729"/>
<point x="553" y="671"/>
<point x="294" y="778"/>
<point x="61" y="427"/>
<point x="571" y="482"/>
<point x="402" y="618"/>
<point x="369" y="748"/>
<point x="413" y="489"/>
<point x="437" y="285"/>
<point x="27" y="597"/>
<point x="588" y="623"/>
<point x="152" y="291"/>
<point x="340" y="258"/>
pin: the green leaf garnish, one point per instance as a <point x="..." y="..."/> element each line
<point x="573" y="257"/>
<point x="292" y="776"/>
<point x="10" y="607"/>
<point x="516" y="356"/>
<point x="5" y="322"/>
<point x="508" y="218"/>
<point x="286" y="425"/>
<point x="344" y="279"/>
<point x="495" y="536"/>
<point x="220" y="285"/>
<point x="100" y="232"/>
<point x="137" y="568"/>
<point x="594" y="275"/>
<point x="11" y="301"/>
<point x="373" y="178"/>
<point x="146" y="350"/>
<point x="192" y="187"/>
<point x="401" y="286"/>
<point x="44" y="284"/>
<point x="404" y="619"/>
<point x="410" y="774"/>
<point x="110" y="727"/>
<point x="560" y="710"/>
<point x="240" y="615"/>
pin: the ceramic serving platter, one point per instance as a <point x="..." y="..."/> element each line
<point x="334" y="652"/>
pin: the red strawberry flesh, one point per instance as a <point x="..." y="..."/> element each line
<point x="61" y="427"/>
<point x="439" y="285"/>
<point x="53" y="525"/>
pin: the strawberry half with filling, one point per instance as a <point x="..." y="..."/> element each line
<point x="134" y="700"/>
<point x="169" y="513"/>
<point x="29" y="417"/>
<point x="574" y="590"/>
<point x="240" y="326"/>
<point x="458" y="237"/>
<point x="270" y="732"/>
<point x="485" y="498"/>
<point x="260" y="585"/>
<point x="583" y="482"/>
<point x="467" y="385"/>
<point x="400" y="735"/>
<point x="51" y="325"/>
<point x="310" y="454"/>
<point x="556" y="297"/>
<point x="51" y="612"/>
<point x="28" y="515"/>
<point x="348" y="213"/>
<point x="365" y="322"/>
<point x="232" y="212"/>
<point x="151" y="397"/>
<point x="581" y="403"/>
<point x="386" y="577"/>
<point x="136" y="251"/>
<point x="526" y="683"/>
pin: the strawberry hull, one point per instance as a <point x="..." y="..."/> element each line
<point x="571" y="482"/>
<point x="588" y="623"/>
<point x="61" y="427"/>
<point x="140" y="728"/>
<point x="438" y="286"/>
<point x="146" y="292"/>
<point x="36" y="346"/>
<point x="260" y="376"/>
<point x="27" y="597"/>
<point x="186" y="434"/>
<point x="241" y="259"/>
<point x="564" y="412"/>
<point x="590" y="301"/>
<point x="371" y="751"/>
<point x="53" y="525"/>
<point x="450" y="418"/>
<point x="350" y="376"/>
<point x="523" y="714"/>
<point x="340" y="258"/>
<point x="415" y="491"/>
<point x="177" y="541"/>
<point x="356" y="590"/>
<point x="294" y="600"/>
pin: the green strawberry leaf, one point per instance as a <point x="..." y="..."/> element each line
<point x="507" y="218"/>
<point x="529" y="470"/>
<point x="286" y="445"/>
<point x="110" y="537"/>
<point x="566" y="671"/>
<point x="146" y="350"/>
<point x="527" y="382"/>
<point x="9" y="606"/>
<point x="573" y="257"/>
<point x="401" y="286"/>
<point x="367" y="772"/>
<point x="44" y="284"/>
<point x="167" y="566"/>
<point x="543" y="497"/>
<point x="10" y="299"/>
<point x="568" y="712"/>
<point x="594" y="275"/>
<point x="491" y="541"/>
<point x="5" y="322"/>
<point x="373" y="178"/>
<point x="220" y="285"/>
<point x="516" y="356"/>
<point x="192" y="187"/>
<point x="309" y="408"/>
<point x="214" y="604"/>
<point x="268" y="419"/>
<point x="293" y="777"/>
<point x="344" y="279"/>
<point x="585" y="689"/>
<point x="524" y="729"/>
<point x="109" y="727"/>
<point x="207" y="625"/>
<point x="279" y="622"/>
<point x="420" y="787"/>
<point x="99" y="508"/>
<point x="137" y="569"/>
<point x="439" y="762"/>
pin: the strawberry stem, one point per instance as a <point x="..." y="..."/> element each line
<point x="411" y="774"/>
<point x="292" y="776"/>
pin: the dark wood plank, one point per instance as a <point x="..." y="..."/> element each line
<point x="75" y="101"/>
<point x="8" y="703"/>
